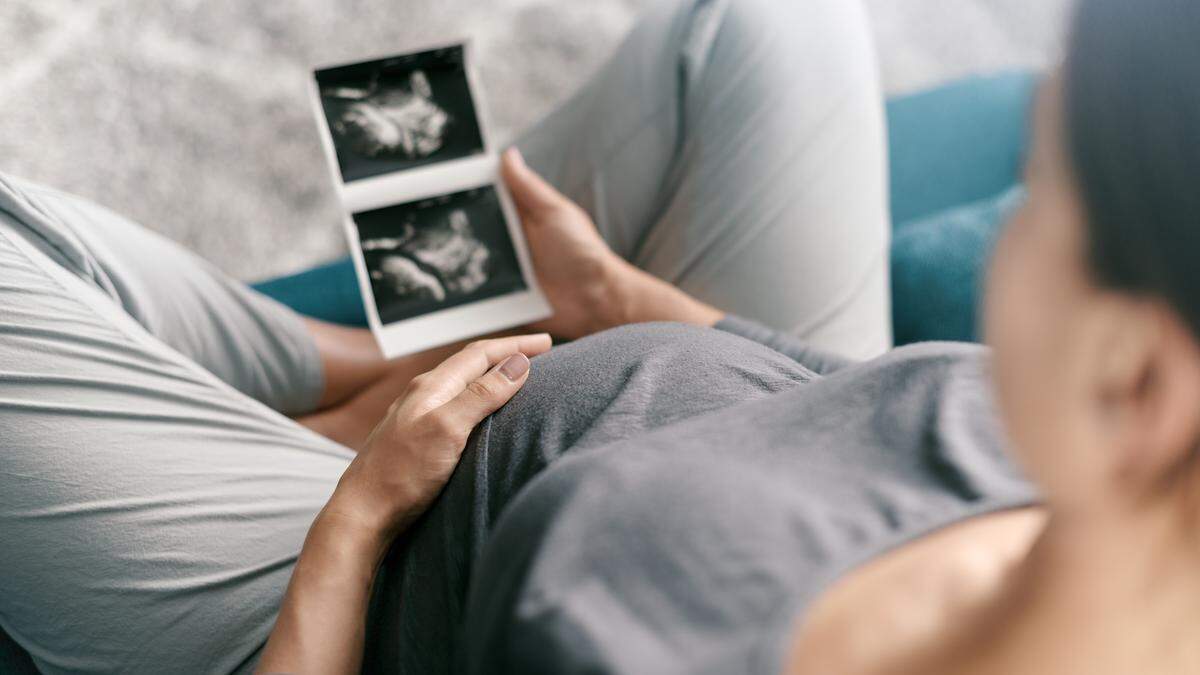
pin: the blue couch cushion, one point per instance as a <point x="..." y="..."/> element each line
<point x="957" y="144"/>
<point x="939" y="266"/>
<point x="956" y="155"/>
<point x="329" y="292"/>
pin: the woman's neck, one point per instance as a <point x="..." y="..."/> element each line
<point x="1117" y="594"/>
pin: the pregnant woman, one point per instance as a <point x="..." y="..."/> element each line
<point x="706" y="495"/>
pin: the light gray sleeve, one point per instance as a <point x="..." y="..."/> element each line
<point x="249" y="341"/>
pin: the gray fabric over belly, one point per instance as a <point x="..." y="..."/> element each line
<point x="667" y="499"/>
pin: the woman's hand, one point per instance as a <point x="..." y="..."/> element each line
<point x="412" y="452"/>
<point x="576" y="269"/>
<point x="322" y="622"/>
<point x="589" y="286"/>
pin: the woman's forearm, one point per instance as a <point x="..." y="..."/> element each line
<point x="322" y="622"/>
<point x="640" y="297"/>
<point x="353" y="419"/>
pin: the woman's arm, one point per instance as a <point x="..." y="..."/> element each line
<point x="322" y="622"/>
<point x="360" y="385"/>
<point x="390" y="483"/>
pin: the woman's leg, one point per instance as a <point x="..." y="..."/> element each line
<point x="737" y="149"/>
<point x="255" y="345"/>
<point x="150" y="513"/>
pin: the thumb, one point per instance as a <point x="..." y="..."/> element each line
<point x="486" y="394"/>
<point x="530" y="191"/>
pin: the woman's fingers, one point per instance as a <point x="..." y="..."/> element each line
<point x="487" y="393"/>
<point x="488" y="373"/>
<point x="476" y="358"/>
<point x="451" y="377"/>
<point x="532" y="194"/>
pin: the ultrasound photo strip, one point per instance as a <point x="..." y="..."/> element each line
<point x="438" y="250"/>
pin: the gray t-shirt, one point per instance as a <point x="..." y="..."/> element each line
<point x="666" y="499"/>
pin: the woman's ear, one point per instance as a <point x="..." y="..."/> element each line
<point x="1148" y="392"/>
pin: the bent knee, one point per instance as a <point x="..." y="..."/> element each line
<point x="798" y="39"/>
<point x="796" y="19"/>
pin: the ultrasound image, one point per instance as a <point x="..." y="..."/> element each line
<point x="438" y="253"/>
<point x="400" y="113"/>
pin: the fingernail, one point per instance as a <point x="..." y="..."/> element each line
<point x="514" y="367"/>
<point x="517" y="156"/>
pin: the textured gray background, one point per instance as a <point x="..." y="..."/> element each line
<point x="191" y="115"/>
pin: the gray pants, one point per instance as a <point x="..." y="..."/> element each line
<point x="153" y="497"/>
<point x="737" y="150"/>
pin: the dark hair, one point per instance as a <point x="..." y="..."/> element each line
<point x="1132" y="111"/>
